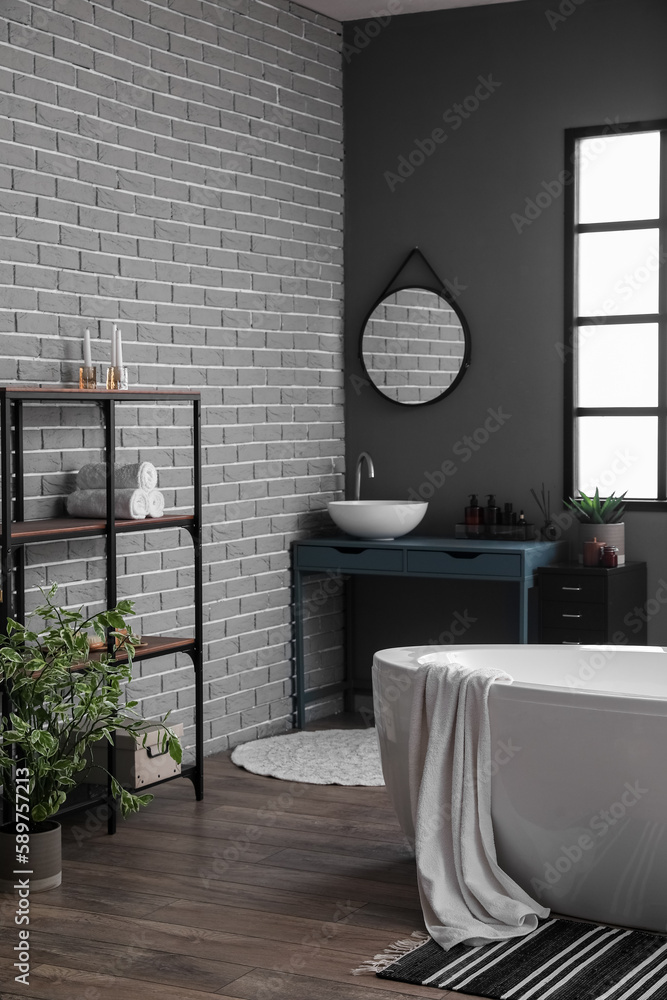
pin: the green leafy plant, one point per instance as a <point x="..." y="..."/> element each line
<point x="63" y="700"/>
<point x="592" y="510"/>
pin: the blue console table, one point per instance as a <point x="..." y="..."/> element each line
<point x="442" y="558"/>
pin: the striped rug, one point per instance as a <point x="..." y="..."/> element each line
<point x="561" y="960"/>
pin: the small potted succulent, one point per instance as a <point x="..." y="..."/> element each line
<point x="63" y="698"/>
<point x="600" y="519"/>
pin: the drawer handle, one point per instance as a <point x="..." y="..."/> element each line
<point x="571" y="588"/>
<point x="570" y="642"/>
<point x="564" y="615"/>
<point x="346" y="550"/>
<point x="464" y="555"/>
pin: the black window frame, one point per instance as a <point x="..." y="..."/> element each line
<point x="573" y="322"/>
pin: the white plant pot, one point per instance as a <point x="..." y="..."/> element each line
<point x="610" y="534"/>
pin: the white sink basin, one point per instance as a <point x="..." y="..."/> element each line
<point x="381" y="519"/>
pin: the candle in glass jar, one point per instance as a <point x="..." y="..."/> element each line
<point x="609" y="557"/>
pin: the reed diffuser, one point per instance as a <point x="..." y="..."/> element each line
<point x="549" y="531"/>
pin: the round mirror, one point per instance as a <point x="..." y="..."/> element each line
<point x="415" y="345"/>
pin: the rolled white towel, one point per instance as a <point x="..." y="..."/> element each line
<point x="155" y="501"/>
<point x="135" y="476"/>
<point x="93" y="503"/>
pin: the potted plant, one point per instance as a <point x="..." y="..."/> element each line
<point x="62" y="699"/>
<point x="600" y="519"/>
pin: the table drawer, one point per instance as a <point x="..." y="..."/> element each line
<point x="560" y="636"/>
<point x="348" y="558"/>
<point x="461" y="564"/>
<point x="573" y="587"/>
<point x="580" y="616"/>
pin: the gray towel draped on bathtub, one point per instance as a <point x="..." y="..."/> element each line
<point x="465" y="895"/>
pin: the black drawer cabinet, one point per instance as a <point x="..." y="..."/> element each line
<point x="593" y="605"/>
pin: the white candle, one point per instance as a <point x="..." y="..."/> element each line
<point x="113" y="347"/>
<point x="87" y="359"/>
<point x="119" y="348"/>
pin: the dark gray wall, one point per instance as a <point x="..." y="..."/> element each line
<point x="548" y="70"/>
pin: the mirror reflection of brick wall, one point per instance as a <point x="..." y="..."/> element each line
<point x="413" y="345"/>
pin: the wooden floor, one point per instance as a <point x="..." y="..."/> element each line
<point x="263" y="891"/>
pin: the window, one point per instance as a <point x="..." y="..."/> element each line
<point x="616" y="312"/>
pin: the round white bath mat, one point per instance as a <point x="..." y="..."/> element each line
<point x="324" y="757"/>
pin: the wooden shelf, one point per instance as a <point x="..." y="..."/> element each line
<point x="50" y="528"/>
<point x="75" y="394"/>
<point x="156" y="645"/>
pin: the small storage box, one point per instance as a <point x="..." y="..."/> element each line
<point x="136" y="765"/>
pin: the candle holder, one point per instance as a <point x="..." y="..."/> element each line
<point x="87" y="377"/>
<point x="117" y="378"/>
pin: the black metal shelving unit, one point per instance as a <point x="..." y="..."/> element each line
<point x="16" y="533"/>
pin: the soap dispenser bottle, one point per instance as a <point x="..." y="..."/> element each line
<point x="473" y="513"/>
<point x="521" y="524"/>
<point x="491" y="511"/>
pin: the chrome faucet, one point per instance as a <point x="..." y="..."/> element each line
<point x="363" y="457"/>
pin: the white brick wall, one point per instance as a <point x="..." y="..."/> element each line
<point x="176" y="166"/>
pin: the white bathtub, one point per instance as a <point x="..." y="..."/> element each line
<point x="579" y="779"/>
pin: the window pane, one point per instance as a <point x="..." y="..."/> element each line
<point x="618" y="365"/>
<point x="618" y="454"/>
<point x="618" y="273"/>
<point x="619" y="177"/>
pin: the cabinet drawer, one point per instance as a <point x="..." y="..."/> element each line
<point x="465" y="563"/>
<point x="580" y="616"/>
<point x="572" y="587"/>
<point x="349" y="558"/>
<point x="573" y="636"/>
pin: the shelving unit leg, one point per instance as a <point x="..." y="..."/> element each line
<point x="109" y="413"/>
<point x="6" y="550"/>
<point x="198" y="658"/>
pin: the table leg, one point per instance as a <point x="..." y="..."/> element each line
<point x="523" y="611"/>
<point x="298" y="659"/>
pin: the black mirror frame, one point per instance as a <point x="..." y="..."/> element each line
<point x="442" y="293"/>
